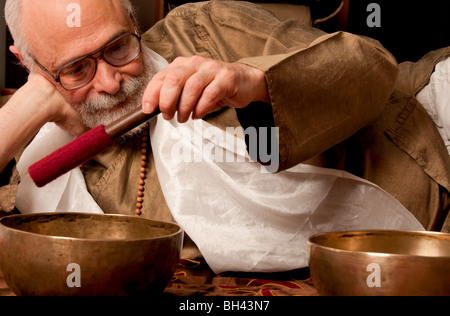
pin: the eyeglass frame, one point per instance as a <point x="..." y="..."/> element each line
<point x="101" y="50"/>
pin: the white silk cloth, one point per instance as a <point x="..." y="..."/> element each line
<point x="243" y="219"/>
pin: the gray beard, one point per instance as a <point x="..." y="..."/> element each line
<point x="107" y="108"/>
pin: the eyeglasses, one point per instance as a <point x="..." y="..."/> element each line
<point x="79" y="72"/>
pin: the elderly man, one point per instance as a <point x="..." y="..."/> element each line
<point x="233" y="64"/>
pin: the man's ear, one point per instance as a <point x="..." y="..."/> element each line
<point x="16" y="52"/>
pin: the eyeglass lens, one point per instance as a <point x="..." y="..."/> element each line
<point x="119" y="53"/>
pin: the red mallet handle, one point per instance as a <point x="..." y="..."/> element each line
<point x="85" y="147"/>
<point x="70" y="156"/>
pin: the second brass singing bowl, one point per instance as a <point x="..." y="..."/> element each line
<point x="380" y="263"/>
<point x="85" y="254"/>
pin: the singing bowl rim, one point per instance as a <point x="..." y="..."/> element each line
<point x="313" y="243"/>
<point x="179" y="229"/>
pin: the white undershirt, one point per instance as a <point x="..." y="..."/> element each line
<point x="435" y="98"/>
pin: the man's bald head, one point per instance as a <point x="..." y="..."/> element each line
<point x="31" y="21"/>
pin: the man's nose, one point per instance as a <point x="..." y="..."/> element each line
<point x="108" y="79"/>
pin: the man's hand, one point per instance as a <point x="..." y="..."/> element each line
<point x="53" y="105"/>
<point x="34" y="104"/>
<point x="198" y="86"/>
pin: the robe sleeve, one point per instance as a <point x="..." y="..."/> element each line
<point x="326" y="92"/>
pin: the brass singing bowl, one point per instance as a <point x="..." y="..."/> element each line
<point x="380" y="263"/>
<point x="85" y="255"/>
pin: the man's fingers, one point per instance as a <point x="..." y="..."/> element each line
<point x="165" y="88"/>
<point x="199" y="86"/>
<point x="211" y="99"/>
<point x="171" y="92"/>
<point x="151" y="95"/>
<point x="192" y="92"/>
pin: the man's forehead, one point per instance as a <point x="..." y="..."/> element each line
<point x="70" y="14"/>
<point x="69" y="28"/>
<point x="60" y="8"/>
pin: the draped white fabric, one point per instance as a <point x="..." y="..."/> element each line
<point x="244" y="219"/>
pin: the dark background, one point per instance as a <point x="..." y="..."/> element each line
<point x="409" y="29"/>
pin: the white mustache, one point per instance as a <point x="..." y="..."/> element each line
<point x="129" y="89"/>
